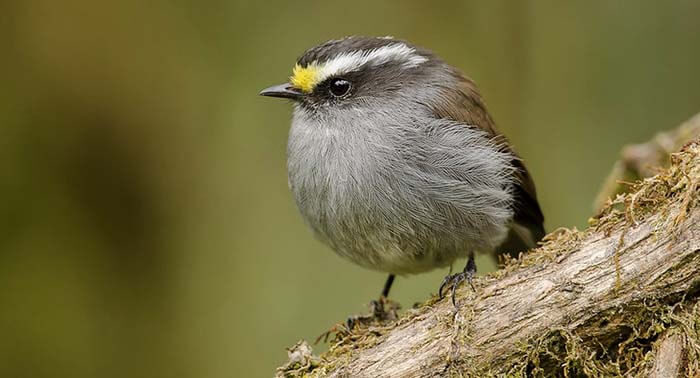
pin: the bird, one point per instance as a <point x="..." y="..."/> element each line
<point x="395" y="163"/>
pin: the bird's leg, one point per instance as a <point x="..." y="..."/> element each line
<point x="387" y="285"/>
<point x="381" y="309"/>
<point x="455" y="279"/>
<point x="378" y="306"/>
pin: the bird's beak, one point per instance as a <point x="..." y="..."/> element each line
<point x="283" y="91"/>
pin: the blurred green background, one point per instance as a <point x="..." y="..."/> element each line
<point x="146" y="226"/>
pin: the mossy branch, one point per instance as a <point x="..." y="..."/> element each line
<point x="620" y="298"/>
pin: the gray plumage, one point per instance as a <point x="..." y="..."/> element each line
<point x="405" y="173"/>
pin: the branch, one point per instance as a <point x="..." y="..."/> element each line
<point x="669" y="356"/>
<point x="591" y="302"/>
<point x="638" y="161"/>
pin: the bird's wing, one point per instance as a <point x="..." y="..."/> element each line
<point x="466" y="106"/>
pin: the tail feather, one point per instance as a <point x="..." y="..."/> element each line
<point x="528" y="222"/>
<point x="521" y="238"/>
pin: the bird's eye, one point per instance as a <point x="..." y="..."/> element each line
<point x="339" y="87"/>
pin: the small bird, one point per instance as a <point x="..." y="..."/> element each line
<point x="395" y="163"/>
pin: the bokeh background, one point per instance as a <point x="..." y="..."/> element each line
<point x="146" y="229"/>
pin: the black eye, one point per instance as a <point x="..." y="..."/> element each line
<point x="339" y="87"/>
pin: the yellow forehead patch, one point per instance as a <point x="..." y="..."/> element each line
<point x="305" y="78"/>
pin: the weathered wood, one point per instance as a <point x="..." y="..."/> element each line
<point x="669" y="356"/>
<point x="642" y="160"/>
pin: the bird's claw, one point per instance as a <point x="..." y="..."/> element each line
<point x="454" y="280"/>
<point x="381" y="310"/>
<point x="377" y="312"/>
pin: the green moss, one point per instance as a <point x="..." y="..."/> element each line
<point x="631" y="353"/>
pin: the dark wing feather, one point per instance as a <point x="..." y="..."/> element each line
<point x="465" y="105"/>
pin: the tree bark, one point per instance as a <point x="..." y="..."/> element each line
<point x="599" y="302"/>
<point x="669" y="356"/>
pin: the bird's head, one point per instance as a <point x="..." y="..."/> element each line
<point x="357" y="71"/>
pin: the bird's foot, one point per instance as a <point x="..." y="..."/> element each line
<point x="381" y="311"/>
<point x="454" y="280"/>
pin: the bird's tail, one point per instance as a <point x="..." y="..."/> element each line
<point x="521" y="237"/>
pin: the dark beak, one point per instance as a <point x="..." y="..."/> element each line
<point x="283" y="91"/>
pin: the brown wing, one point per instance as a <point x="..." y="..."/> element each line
<point x="465" y="105"/>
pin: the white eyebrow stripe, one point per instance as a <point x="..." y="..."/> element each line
<point x="348" y="62"/>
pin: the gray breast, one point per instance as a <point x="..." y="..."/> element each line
<point x="401" y="194"/>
